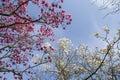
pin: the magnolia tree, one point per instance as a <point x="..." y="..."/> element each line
<point x="20" y="37"/>
<point x="81" y="63"/>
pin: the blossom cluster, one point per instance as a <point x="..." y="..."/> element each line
<point x="47" y="48"/>
<point x="106" y="29"/>
<point x="63" y="44"/>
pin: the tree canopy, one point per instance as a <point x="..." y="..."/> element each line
<point x="19" y="35"/>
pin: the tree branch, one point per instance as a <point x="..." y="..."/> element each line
<point x="109" y="48"/>
<point x="13" y="12"/>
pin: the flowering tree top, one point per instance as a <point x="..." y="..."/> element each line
<point x="18" y="39"/>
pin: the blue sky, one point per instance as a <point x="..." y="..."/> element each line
<point x="87" y="19"/>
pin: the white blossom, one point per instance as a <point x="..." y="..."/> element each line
<point x="76" y="67"/>
<point x="63" y="44"/>
<point x="48" y="48"/>
<point x="118" y="32"/>
<point x="47" y="44"/>
<point x="61" y="63"/>
<point x="103" y="50"/>
<point x="106" y="29"/>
